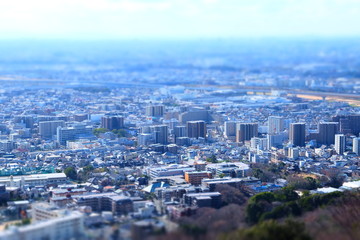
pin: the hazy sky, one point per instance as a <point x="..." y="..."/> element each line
<point x="118" y="19"/>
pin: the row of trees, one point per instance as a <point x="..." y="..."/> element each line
<point x="285" y="203"/>
<point x="117" y="132"/>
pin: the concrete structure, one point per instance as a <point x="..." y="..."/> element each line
<point x="340" y="143"/>
<point x="327" y="131"/>
<point x="245" y="131"/>
<point x="155" y="110"/>
<point x="47" y="130"/>
<point x="276" y="124"/>
<point x="34" y="179"/>
<point x="196" y="129"/>
<point x="297" y="134"/>
<point x="195" y="178"/>
<point x="73" y="133"/>
<point x="115" y="203"/>
<point x="68" y="225"/>
<point x="356" y="146"/>
<point x="112" y="122"/>
<point x="230" y="130"/>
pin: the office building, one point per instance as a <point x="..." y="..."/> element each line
<point x="47" y="130"/>
<point x="196" y="129"/>
<point x="297" y="134"/>
<point x="112" y="122"/>
<point x="275" y="124"/>
<point x="340" y="143"/>
<point x="245" y="131"/>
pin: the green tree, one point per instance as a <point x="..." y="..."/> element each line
<point x="212" y="159"/>
<point x="120" y="132"/>
<point x="98" y="131"/>
<point x="71" y="173"/>
<point x="271" y="230"/>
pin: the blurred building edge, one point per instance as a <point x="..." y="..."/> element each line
<point x="52" y="225"/>
<point x="144" y="228"/>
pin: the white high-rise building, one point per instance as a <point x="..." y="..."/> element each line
<point x="230" y="130"/>
<point x="340" y="143"/>
<point x="257" y="143"/>
<point x="47" y="129"/>
<point x="276" y="124"/>
<point x="356" y="146"/>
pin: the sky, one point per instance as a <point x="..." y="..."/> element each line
<point x="177" y="19"/>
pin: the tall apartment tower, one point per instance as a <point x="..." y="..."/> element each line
<point x="340" y="143"/>
<point x="297" y="134"/>
<point x="230" y="129"/>
<point x="155" y="110"/>
<point x="356" y="146"/>
<point x="327" y="131"/>
<point x="112" y="122"/>
<point x="245" y="131"/>
<point x="348" y="124"/>
<point x="160" y="133"/>
<point x="275" y="124"/>
<point x="179" y="131"/>
<point x="196" y="129"/>
<point x="47" y="130"/>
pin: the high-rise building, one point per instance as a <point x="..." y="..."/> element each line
<point x="340" y="143"/>
<point x="112" y="122"/>
<point x="245" y="131"/>
<point x="48" y="129"/>
<point x="155" y="110"/>
<point x="160" y="133"/>
<point x="196" y="129"/>
<point x="179" y="131"/>
<point x="356" y="145"/>
<point x="327" y="131"/>
<point x="257" y="143"/>
<point x="276" y="124"/>
<point x="293" y="153"/>
<point x="348" y="124"/>
<point x="297" y="134"/>
<point x="230" y="129"/>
